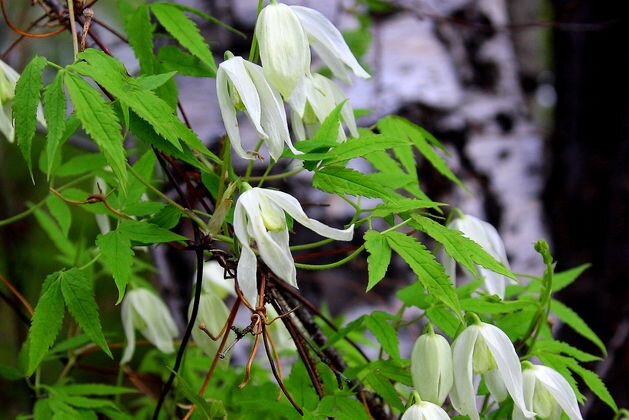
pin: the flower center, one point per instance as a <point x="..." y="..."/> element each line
<point x="544" y="405"/>
<point x="482" y="359"/>
<point x="7" y="91"/>
<point x="272" y="216"/>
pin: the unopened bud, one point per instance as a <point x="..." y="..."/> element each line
<point x="431" y="368"/>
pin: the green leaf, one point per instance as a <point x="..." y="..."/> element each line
<point x="61" y="212"/>
<point x="147" y="233"/>
<point x="184" y="30"/>
<point x="566" y="278"/>
<point x="94" y="389"/>
<point x="379" y="257"/>
<point x="46" y="322"/>
<point x="55" y="113"/>
<point x="78" y="294"/>
<point x="100" y="122"/>
<point x="560" y="364"/>
<point x="415" y="295"/>
<point x="154" y="81"/>
<point x="329" y="129"/>
<point x="401" y="128"/>
<point x="117" y="257"/>
<point x="348" y="181"/>
<point x="84" y="163"/>
<point x="25" y="103"/>
<point x="353" y="148"/>
<point x="174" y="59"/>
<point x="557" y="347"/>
<point x="384" y="333"/>
<point x="430" y="273"/>
<point x="403" y="206"/>
<point x="465" y="251"/>
<point x="574" y="321"/>
<point x="140" y="32"/>
<point x="483" y="306"/>
<point x="444" y="320"/>
<point x="594" y="382"/>
<point x="55" y="233"/>
<point x="383" y="387"/>
<point x="342" y="407"/>
<point x="167" y="218"/>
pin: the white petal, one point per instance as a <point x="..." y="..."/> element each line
<point x="299" y="131"/>
<point x="495" y="384"/>
<point x="129" y="330"/>
<point x="158" y="326"/>
<point x="507" y="362"/>
<point x="347" y="112"/>
<point x="247" y="275"/>
<point x="228" y="113"/>
<point x="321" y="31"/>
<point x="431" y="368"/>
<point x="12" y="75"/>
<point x="292" y="207"/>
<point x="463" y="394"/>
<point x="214" y="280"/>
<point x="213" y="313"/>
<point x="560" y="389"/>
<point x="432" y="411"/>
<point x="528" y="378"/>
<point x="6" y="122"/>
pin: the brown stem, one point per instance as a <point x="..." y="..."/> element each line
<point x="17" y="294"/>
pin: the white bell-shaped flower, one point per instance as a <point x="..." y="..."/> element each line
<point x="241" y="86"/>
<point x="312" y="102"/>
<point x="144" y="311"/>
<point x="547" y="393"/>
<point x="283" y="45"/>
<point x="431" y="367"/>
<point x="479" y="349"/>
<point x="213" y="314"/>
<point x="329" y="44"/>
<point x="424" y="410"/>
<point x="485" y="235"/>
<point x="214" y="280"/>
<point x="259" y="217"/>
<point x="8" y="80"/>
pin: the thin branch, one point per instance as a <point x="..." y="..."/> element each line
<point x="18" y="295"/>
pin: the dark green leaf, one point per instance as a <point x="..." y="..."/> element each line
<point x="386" y="335"/>
<point x="94" y="389"/>
<point x="444" y="320"/>
<point x="379" y="257"/>
<point x="174" y="59"/>
<point x="55" y="233"/>
<point x="78" y="294"/>
<point x="82" y="164"/>
<point x="140" y="31"/>
<point x="117" y="256"/>
<point x="55" y="113"/>
<point x="342" y="407"/>
<point x="61" y="212"/>
<point x="147" y="233"/>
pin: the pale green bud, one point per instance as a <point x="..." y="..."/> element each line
<point x="482" y="359"/>
<point x="431" y="368"/>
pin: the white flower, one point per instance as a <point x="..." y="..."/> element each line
<point x="213" y="314"/>
<point x="214" y="280"/>
<point x="259" y="216"/>
<point x="283" y="47"/>
<point x="329" y="44"/>
<point x="424" y="410"/>
<point x="478" y="349"/>
<point x="431" y="367"/>
<point x="241" y="86"/>
<point x="547" y="393"/>
<point x="312" y="102"/>
<point x="485" y="235"/>
<point x="8" y="79"/>
<point x="143" y="310"/>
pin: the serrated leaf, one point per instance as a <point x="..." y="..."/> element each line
<point x="566" y="278"/>
<point x="399" y="127"/>
<point x="140" y="32"/>
<point x="55" y="233"/>
<point x="415" y="295"/>
<point x="342" y="407"/>
<point x="353" y="148"/>
<point x="174" y="59"/>
<point x="147" y="233"/>
<point x="25" y="103"/>
<point x="483" y="306"/>
<point x="403" y="206"/>
<point x="574" y="321"/>
<point x="560" y="364"/>
<point x="383" y="387"/>
<point x="94" y="389"/>
<point x="79" y="297"/>
<point x="46" y="323"/>
<point x="154" y="81"/>
<point x="117" y="256"/>
<point x="184" y="30"/>
<point x="379" y="257"/>
<point x="82" y="164"/>
<point x="55" y="114"/>
<point x="443" y="319"/>
<point x="329" y="129"/>
<point x="100" y="122"/>
<point x="596" y="385"/>
<point x="384" y="333"/>
<point x="557" y="347"/>
<point x="61" y="212"/>
<point x="430" y="273"/>
<point x="339" y="180"/>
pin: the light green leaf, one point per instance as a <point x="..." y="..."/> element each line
<point x="154" y="81"/>
<point x="566" y="278"/>
<point x="55" y="233"/>
<point x="383" y="387"/>
<point x="174" y="59"/>
<point x="25" y="103"/>
<point x="443" y="319"/>
<point x="147" y="233"/>
<point x="46" y="322"/>
<point x="353" y="148"/>
<point x="78" y="294"/>
<point x="117" y="256"/>
<point x="557" y="347"/>
<point x="574" y="321"/>
<point x="339" y="180"/>
<point x="403" y="206"/>
<point x="386" y="335"/>
<point x="55" y="113"/>
<point x="140" y="32"/>
<point x="61" y="212"/>
<point x="100" y="122"/>
<point x="379" y="257"/>
<point x="430" y="273"/>
<point x="84" y="163"/>
<point x="184" y="30"/>
<point x="483" y="306"/>
<point x="594" y="382"/>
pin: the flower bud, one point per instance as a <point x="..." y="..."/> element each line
<point x="212" y="315"/>
<point x="431" y="368"/>
<point x="284" y="49"/>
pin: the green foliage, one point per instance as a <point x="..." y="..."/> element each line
<point x="55" y="113"/>
<point x="117" y="256"/>
<point x="379" y="257"/>
<point x="574" y="321"/>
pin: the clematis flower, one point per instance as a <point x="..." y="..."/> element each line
<point x="431" y="367"/>
<point x="329" y="44"/>
<point x="312" y="102"/>
<point x="144" y="311"/>
<point x="213" y="314"/>
<point x="481" y="349"/>
<point x="8" y="80"/>
<point x="547" y="393"/>
<point x="214" y="280"/>
<point x="259" y="217"/>
<point x="485" y="235"/>
<point x="283" y="47"/>
<point x="241" y="86"/>
<point x="424" y="410"/>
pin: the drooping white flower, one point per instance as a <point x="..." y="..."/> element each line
<point x="312" y="102"/>
<point x="8" y="80"/>
<point x="329" y="44"/>
<point x="241" y="86"/>
<point x="547" y="393"/>
<point x="259" y="217"/>
<point x="144" y="311"/>
<point x="485" y="235"/>
<point x="213" y="314"/>
<point x="283" y="47"/>
<point x="424" y="410"/>
<point x="431" y="367"/>
<point x="214" y="280"/>
<point x="481" y="348"/>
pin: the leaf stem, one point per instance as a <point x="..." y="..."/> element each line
<point x="334" y="264"/>
<point x="274" y="177"/>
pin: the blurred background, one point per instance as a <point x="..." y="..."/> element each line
<point x="531" y="98"/>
